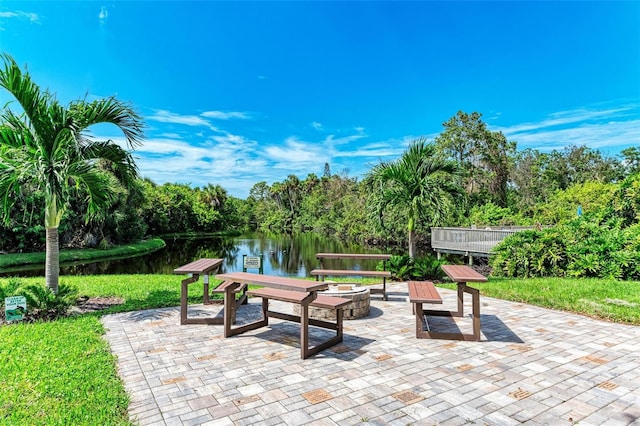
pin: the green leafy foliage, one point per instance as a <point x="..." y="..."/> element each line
<point x="580" y="248"/>
<point x="491" y="214"/>
<point x="593" y="197"/>
<point x="625" y="202"/>
<point x="42" y="302"/>
<point x="427" y="268"/>
<point x="422" y="183"/>
<point x="9" y="288"/>
<point x="421" y="268"/>
<point x="400" y="267"/>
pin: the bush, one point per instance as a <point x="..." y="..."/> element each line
<point x="427" y="268"/>
<point x="42" y="303"/>
<point x="420" y="268"/>
<point x="579" y="248"/>
<point x="399" y="266"/>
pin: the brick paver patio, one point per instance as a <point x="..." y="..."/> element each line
<point x="533" y="366"/>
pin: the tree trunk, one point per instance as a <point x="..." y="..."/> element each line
<point x="412" y="244"/>
<point x="52" y="259"/>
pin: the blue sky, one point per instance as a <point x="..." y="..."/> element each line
<point x="234" y="93"/>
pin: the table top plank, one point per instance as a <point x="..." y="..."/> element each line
<point x="200" y="266"/>
<point x="365" y="256"/>
<point x="463" y="274"/>
<point x="282" y="283"/>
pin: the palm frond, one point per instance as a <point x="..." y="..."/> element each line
<point x="41" y="108"/>
<point x="117" y="160"/>
<point x="108" y="110"/>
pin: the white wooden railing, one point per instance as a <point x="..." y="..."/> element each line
<point x="471" y="241"/>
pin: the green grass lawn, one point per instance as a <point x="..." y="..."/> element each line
<point x="63" y="372"/>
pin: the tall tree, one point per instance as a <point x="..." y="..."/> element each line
<point x="485" y="156"/>
<point x="48" y="147"/>
<point x="421" y="182"/>
<point x="631" y="159"/>
<point x="496" y="156"/>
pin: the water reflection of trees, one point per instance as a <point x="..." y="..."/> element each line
<point x="292" y="255"/>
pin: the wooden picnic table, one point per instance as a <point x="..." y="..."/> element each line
<point x="461" y="275"/>
<point x="292" y="290"/>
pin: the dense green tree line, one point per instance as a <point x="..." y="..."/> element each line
<point x="145" y="209"/>
<point x="544" y="188"/>
<point x="502" y="186"/>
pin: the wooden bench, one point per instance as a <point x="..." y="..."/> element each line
<point x="204" y="267"/>
<point x="321" y="272"/>
<point x="461" y="275"/>
<point x="425" y="292"/>
<point x="302" y="298"/>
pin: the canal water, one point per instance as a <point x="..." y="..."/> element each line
<point x="283" y="255"/>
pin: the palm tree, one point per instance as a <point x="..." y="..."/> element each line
<point x="420" y="182"/>
<point x="47" y="146"/>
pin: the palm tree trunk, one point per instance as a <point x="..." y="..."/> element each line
<point x="52" y="259"/>
<point x="412" y="244"/>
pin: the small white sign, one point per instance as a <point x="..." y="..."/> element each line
<point x="14" y="308"/>
<point x="252" y="262"/>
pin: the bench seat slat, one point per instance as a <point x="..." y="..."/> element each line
<point x="327" y="302"/>
<point x="423" y="292"/>
<point x="350" y="273"/>
<point x="223" y="286"/>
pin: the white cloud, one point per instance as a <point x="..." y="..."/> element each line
<point x="103" y="15"/>
<point x="31" y="17"/>
<point x="164" y="116"/>
<point x="170" y="135"/>
<point x="220" y="115"/>
<point x="600" y="129"/>
<point x="601" y="136"/>
<point x="567" y="117"/>
<point x="316" y="125"/>
<point x="234" y="167"/>
<point x="296" y="154"/>
<point x="332" y="141"/>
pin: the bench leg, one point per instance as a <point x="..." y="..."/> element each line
<point x="309" y="351"/>
<point x="384" y="289"/>
<point x="475" y="307"/>
<point x="460" y="312"/>
<point x="205" y="295"/>
<point x="184" y="296"/>
<point x="304" y="330"/>
<point x="230" y="306"/>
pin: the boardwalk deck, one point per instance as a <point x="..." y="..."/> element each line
<point x="470" y="241"/>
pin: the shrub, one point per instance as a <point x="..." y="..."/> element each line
<point x="42" y="303"/>
<point x="399" y="266"/>
<point x="582" y="247"/>
<point x="427" y="268"/>
<point x="420" y="268"/>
